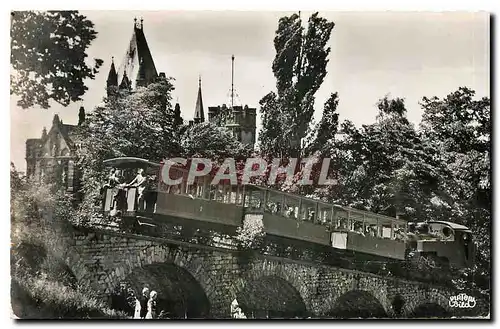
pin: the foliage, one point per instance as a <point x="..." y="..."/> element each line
<point x="48" y="52"/>
<point x="42" y="284"/>
<point x="440" y="171"/>
<point x="136" y="124"/>
<point x="40" y="298"/>
<point x="299" y="68"/>
<point x="385" y="167"/>
<point x="460" y="127"/>
<point x="250" y="236"/>
<point x="38" y="211"/>
<point x="327" y="128"/>
<point x="209" y="140"/>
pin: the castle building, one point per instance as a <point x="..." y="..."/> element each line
<point x="137" y="68"/>
<point x="241" y="121"/>
<point x="53" y="155"/>
<point x="54" y="152"/>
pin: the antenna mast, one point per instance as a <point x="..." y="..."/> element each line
<point x="232" y="81"/>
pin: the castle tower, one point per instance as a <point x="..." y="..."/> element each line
<point x="240" y="120"/>
<point x="199" y="115"/>
<point x="81" y="116"/>
<point x="137" y="67"/>
<point x="112" y="82"/>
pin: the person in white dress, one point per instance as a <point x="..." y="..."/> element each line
<point x="152" y="305"/>
<point x="141" y="304"/>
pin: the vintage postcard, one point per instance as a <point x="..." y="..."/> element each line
<point x="250" y="165"/>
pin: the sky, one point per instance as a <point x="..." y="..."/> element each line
<point x="373" y="54"/>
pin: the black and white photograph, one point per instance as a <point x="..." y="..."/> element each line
<point x="240" y="165"/>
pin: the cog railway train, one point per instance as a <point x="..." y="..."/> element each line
<point x="439" y="243"/>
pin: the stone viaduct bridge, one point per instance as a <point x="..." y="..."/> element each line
<point x="195" y="280"/>
<point x="186" y="244"/>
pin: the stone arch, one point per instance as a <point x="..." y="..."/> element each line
<point x="397" y="304"/>
<point x="357" y="304"/>
<point x="284" y="280"/>
<point x="116" y="269"/>
<point x="417" y="305"/>
<point x="179" y="293"/>
<point x="429" y="310"/>
<point x="271" y="297"/>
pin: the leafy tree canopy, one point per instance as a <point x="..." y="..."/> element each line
<point x="48" y="53"/>
<point x="299" y="68"/>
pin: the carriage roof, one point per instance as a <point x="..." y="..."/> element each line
<point x="355" y="214"/>
<point x="129" y="162"/>
<point x="454" y="226"/>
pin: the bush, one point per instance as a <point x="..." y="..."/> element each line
<point x="251" y="235"/>
<point x="40" y="298"/>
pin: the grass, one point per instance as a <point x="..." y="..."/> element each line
<point x="40" y="298"/>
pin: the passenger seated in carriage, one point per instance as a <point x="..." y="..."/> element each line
<point x="371" y="230"/>
<point x="358" y="228"/>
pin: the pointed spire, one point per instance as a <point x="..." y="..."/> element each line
<point x="138" y="61"/>
<point x="199" y="115"/>
<point x="177" y="115"/>
<point x="81" y="116"/>
<point x="125" y="84"/>
<point x="55" y="120"/>
<point x="112" y="76"/>
<point x="44" y="133"/>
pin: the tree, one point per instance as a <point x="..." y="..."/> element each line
<point x="327" y="128"/>
<point x="299" y="68"/>
<point x="48" y="52"/>
<point x="460" y="127"/>
<point x="208" y="140"/>
<point x="136" y="124"/>
<point x="385" y="167"/>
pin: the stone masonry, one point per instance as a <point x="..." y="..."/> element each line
<point x="102" y="259"/>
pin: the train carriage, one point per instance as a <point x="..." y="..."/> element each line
<point x="284" y="215"/>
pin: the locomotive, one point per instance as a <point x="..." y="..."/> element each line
<point x="436" y="243"/>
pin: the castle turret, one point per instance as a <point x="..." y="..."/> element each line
<point x="199" y="115"/>
<point x="177" y="115"/>
<point x="138" y="66"/>
<point x="112" y="81"/>
<point x="125" y="83"/>
<point x="81" y="116"/>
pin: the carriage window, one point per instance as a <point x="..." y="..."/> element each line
<point x="307" y="211"/>
<point x="446" y="232"/>
<point x="324" y="214"/>
<point x="386" y="231"/>
<point x="291" y="207"/>
<point x="273" y="202"/>
<point x="254" y="199"/>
